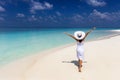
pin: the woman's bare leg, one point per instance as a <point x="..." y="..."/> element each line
<point x="80" y="65"/>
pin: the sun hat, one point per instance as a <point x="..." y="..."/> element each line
<point x="79" y="35"/>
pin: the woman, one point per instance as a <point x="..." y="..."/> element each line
<point x="80" y="36"/>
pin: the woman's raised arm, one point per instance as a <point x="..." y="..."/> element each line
<point x="86" y="34"/>
<point x="70" y="36"/>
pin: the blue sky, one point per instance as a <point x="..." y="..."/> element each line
<point x="59" y="13"/>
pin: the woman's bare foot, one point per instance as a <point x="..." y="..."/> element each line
<point x="79" y="68"/>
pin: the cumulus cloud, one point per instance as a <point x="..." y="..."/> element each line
<point x="96" y="17"/>
<point x="58" y="13"/>
<point x="47" y="5"/>
<point x="52" y="18"/>
<point x="97" y="14"/>
<point x="96" y="2"/>
<point x="39" y="6"/>
<point x="2" y="9"/>
<point x="32" y="18"/>
<point x="104" y="18"/>
<point x="20" y="15"/>
<point x="105" y="15"/>
<point x="77" y="17"/>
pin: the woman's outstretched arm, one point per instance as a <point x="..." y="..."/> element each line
<point x="86" y="34"/>
<point x="70" y="36"/>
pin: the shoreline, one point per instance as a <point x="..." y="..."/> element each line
<point x="61" y="63"/>
<point x="23" y="50"/>
<point x="64" y="46"/>
<point x="42" y="53"/>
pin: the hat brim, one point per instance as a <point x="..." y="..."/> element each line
<point x="79" y="32"/>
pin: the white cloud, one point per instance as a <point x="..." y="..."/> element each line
<point x="32" y="18"/>
<point x="20" y="15"/>
<point x="98" y="14"/>
<point x="105" y="16"/>
<point x="2" y="9"/>
<point x="52" y="18"/>
<point x="58" y="13"/>
<point x="47" y="5"/>
<point x="96" y="3"/>
<point x="77" y="17"/>
<point x="39" y="6"/>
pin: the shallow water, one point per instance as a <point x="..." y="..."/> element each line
<point x="18" y="44"/>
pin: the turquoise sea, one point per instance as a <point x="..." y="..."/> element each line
<point x="16" y="44"/>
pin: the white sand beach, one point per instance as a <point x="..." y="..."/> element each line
<point x="101" y="63"/>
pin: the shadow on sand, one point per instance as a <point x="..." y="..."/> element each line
<point x="75" y="62"/>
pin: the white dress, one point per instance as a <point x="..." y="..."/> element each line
<point x="80" y="51"/>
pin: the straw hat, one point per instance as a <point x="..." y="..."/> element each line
<point x="79" y="35"/>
